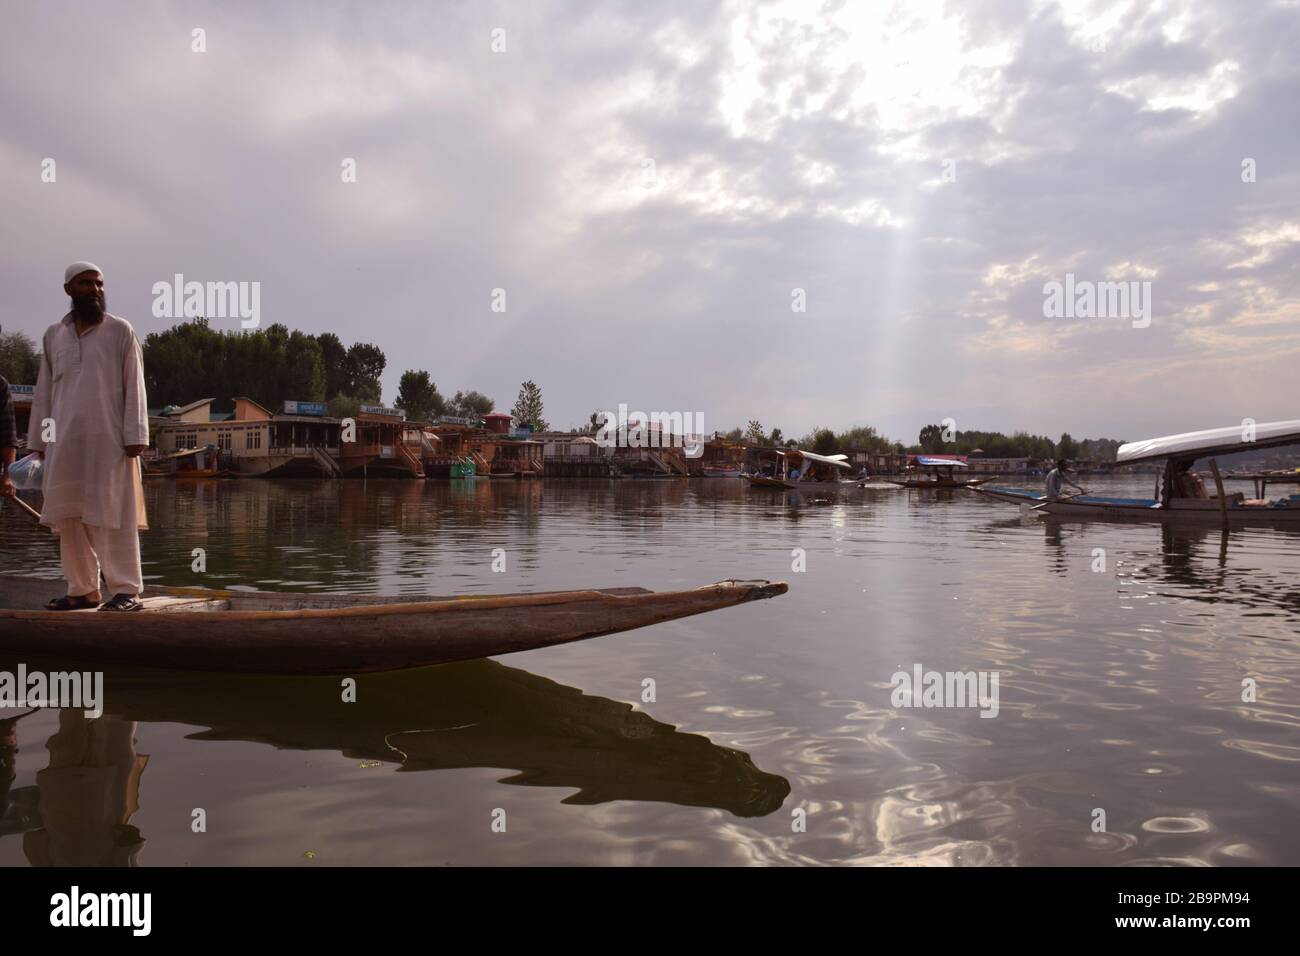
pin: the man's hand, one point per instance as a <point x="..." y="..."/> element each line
<point x="7" y="489"/>
<point x="133" y="451"/>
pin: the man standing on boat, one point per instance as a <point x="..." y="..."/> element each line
<point x="1057" y="477"/>
<point x="90" y="422"/>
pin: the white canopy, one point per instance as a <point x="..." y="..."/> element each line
<point x="1212" y="441"/>
<point x="836" y="460"/>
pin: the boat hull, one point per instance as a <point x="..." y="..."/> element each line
<point x="781" y="484"/>
<point x="1096" y="508"/>
<point x="256" y="632"/>
<point x="923" y="484"/>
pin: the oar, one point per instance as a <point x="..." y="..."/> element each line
<point x="25" y="506"/>
<point x="1053" y="501"/>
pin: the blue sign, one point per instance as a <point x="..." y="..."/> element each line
<point x="304" y="408"/>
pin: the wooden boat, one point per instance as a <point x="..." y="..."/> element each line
<point x="1173" y="502"/>
<point x="186" y="464"/>
<point x="795" y="470"/>
<point x="711" y="471"/>
<point x="936" y="473"/>
<point x="258" y="632"/>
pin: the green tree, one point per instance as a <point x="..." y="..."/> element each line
<point x="19" y="361"/>
<point x="343" y="406"/>
<point x="191" y="360"/>
<point x="419" y="397"/>
<point x="824" y="442"/>
<point x="470" y="404"/>
<point x="1067" y="447"/>
<point x="365" y="364"/>
<point x="775" y="438"/>
<point x="304" y="370"/>
<point x="754" y="433"/>
<point x="931" y="438"/>
<point x="527" y="412"/>
<point x="335" y="359"/>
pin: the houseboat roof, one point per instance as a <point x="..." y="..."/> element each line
<point x="182" y="409"/>
<point x="253" y="401"/>
<point x="1212" y="441"/>
<point x="929" y="461"/>
<point x="305" y="419"/>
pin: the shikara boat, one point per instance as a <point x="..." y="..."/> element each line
<point x="1180" y="495"/>
<point x="260" y="632"/>
<point x="795" y="470"/>
<point x="936" y="473"/>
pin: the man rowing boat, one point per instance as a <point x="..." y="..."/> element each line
<point x="1057" y="477"/>
<point x="90" y="423"/>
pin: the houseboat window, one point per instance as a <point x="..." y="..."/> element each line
<point x="252" y="439"/>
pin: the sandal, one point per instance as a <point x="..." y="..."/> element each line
<point x="69" y="603"/>
<point x="122" y="602"/>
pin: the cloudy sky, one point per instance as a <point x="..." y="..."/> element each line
<point x="650" y="183"/>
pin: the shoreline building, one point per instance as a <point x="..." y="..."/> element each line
<point x="252" y="441"/>
<point x="21" y="398"/>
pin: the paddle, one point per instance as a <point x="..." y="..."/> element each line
<point x="25" y="506"/>
<point x="1053" y="501"/>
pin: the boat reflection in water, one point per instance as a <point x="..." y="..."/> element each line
<point x="477" y="714"/>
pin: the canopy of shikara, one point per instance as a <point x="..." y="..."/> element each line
<point x="927" y="462"/>
<point x="836" y="460"/>
<point x="1212" y="441"/>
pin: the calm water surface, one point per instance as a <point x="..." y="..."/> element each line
<point x="1120" y="689"/>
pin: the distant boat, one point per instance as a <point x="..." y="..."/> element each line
<point x="932" y="472"/>
<point x="734" y="472"/>
<point x="1172" y="501"/>
<point x="261" y="632"/>
<point x="795" y="470"/>
<point x="188" y="463"/>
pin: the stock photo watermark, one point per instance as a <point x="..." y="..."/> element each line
<point x="946" y="689"/>
<point x="1085" y="299"/>
<point x="23" y="688"/>
<point x="636" y="429"/>
<point x="179" y="299"/>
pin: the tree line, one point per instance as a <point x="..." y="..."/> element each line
<point x="192" y="360"/>
<point x="826" y="441"/>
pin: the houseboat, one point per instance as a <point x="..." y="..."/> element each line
<point x="570" y="455"/>
<point x="453" y="457"/>
<point x="379" y="446"/>
<point x="252" y="441"/>
<point x="506" y="454"/>
<point x="720" y="457"/>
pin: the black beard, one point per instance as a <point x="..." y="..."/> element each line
<point x="88" y="310"/>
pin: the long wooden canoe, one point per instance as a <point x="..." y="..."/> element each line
<point x="924" y="483"/>
<point x="262" y="632"/>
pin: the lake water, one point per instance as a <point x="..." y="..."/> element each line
<point x="771" y="736"/>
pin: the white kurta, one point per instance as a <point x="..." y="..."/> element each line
<point x="92" y="388"/>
